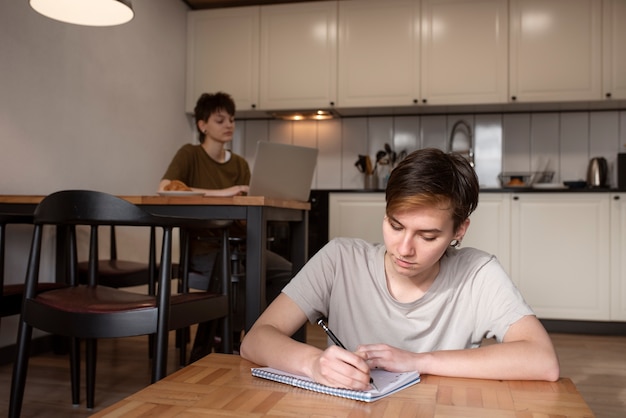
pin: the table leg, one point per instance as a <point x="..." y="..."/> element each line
<point x="256" y="238"/>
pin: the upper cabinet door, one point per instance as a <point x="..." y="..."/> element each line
<point x="614" y="39"/>
<point x="223" y="55"/>
<point x="464" y="51"/>
<point x="299" y="56"/>
<point x="555" y="50"/>
<point x="378" y="53"/>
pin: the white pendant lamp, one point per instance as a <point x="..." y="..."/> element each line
<point x="86" y="12"/>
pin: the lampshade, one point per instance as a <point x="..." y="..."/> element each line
<point x="86" y="12"/>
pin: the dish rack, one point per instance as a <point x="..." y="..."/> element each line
<point x="525" y="178"/>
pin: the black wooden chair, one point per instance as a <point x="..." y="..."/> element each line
<point x="92" y="311"/>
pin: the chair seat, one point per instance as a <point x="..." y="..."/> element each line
<point x="103" y="299"/>
<point x="100" y="299"/>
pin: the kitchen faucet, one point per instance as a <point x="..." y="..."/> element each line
<point x="469" y="153"/>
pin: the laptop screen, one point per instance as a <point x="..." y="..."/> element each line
<point x="283" y="171"/>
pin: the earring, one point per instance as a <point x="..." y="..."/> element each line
<point x="455" y="243"/>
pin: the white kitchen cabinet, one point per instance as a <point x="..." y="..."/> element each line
<point x="555" y="50"/>
<point x="223" y="55"/>
<point x="356" y="215"/>
<point x="618" y="257"/>
<point x="298" y="58"/>
<point x="614" y="52"/>
<point x="378" y="53"/>
<point x="489" y="228"/>
<point x="464" y="51"/>
<point x="560" y="253"/>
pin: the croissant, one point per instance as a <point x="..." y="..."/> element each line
<point x="176" y="185"/>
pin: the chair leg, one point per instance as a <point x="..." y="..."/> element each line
<point x="182" y="335"/>
<point x="159" y="368"/>
<point x="90" y="360"/>
<point x="75" y="370"/>
<point x="20" y="367"/>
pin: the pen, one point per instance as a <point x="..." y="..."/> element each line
<point x="336" y="341"/>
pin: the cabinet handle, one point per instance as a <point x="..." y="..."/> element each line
<point x="424" y="101"/>
<point x="514" y="98"/>
<point x="615" y="197"/>
<point x="253" y="106"/>
<point x="515" y="197"/>
<point x="608" y="95"/>
<point x="332" y="103"/>
<point x="416" y="101"/>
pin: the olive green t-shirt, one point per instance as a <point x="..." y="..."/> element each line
<point x="193" y="166"/>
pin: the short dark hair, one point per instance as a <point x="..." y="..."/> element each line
<point x="208" y="104"/>
<point x="430" y="176"/>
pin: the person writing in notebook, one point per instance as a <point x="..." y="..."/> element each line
<point x="418" y="302"/>
<point x="211" y="168"/>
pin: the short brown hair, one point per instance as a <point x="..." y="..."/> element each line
<point x="208" y="104"/>
<point x="430" y="176"/>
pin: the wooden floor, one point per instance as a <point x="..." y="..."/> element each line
<point x="596" y="364"/>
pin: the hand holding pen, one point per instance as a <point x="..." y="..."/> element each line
<point x="336" y="341"/>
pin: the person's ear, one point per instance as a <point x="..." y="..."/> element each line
<point x="202" y="126"/>
<point x="460" y="233"/>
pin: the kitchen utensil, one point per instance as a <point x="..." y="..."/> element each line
<point x="379" y="156"/>
<point x="597" y="172"/>
<point x="360" y="164"/>
<point x="391" y="153"/>
<point x="368" y="165"/>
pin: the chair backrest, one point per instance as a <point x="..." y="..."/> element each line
<point x="86" y="207"/>
<point x="70" y="208"/>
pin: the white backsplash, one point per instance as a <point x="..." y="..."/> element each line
<point x="559" y="141"/>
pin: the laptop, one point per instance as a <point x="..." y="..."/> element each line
<point x="283" y="171"/>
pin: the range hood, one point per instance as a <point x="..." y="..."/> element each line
<point x="304" y="115"/>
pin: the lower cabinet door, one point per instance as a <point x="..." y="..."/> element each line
<point x="560" y="253"/>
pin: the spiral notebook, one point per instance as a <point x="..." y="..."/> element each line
<point x="386" y="382"/>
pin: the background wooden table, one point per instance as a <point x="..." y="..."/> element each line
<point x="256" y="211"/>
<point x="221" y="385"/>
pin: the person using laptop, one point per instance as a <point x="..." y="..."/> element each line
<point x="211" y="168"/>
<point x="418" y="302"/>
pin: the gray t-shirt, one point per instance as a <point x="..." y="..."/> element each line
<point x="471" y="298"/>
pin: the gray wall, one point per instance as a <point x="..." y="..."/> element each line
<point x="84" y="107"/>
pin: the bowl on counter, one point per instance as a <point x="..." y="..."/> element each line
<point x="575" y="184"/>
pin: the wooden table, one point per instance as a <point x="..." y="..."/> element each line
<point x="257" y="211"/>
<point x="221" y="385"/>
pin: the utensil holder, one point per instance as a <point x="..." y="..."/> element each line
<point x="370" y="182"/>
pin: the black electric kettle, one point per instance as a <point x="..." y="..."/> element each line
<point x="597" y="172"/>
